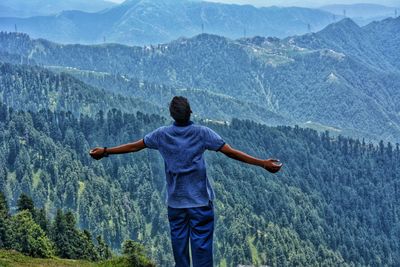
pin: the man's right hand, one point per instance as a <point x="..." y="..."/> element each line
<point x="272" y="165"/>
<point x="97" y="153"/>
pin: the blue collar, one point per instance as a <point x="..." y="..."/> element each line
<point x="183" y="124"/>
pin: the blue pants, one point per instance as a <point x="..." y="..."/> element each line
<point x="196" y="224"/>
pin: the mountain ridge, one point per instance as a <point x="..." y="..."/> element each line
<point x="296" y="77"/>
<point x="21" y="8"/>
<point x="362" y="13"/>
<point x="361" y="42"/>
<point x="145" y="22"/>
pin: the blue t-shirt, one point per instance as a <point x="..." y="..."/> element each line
<point x="182" y="148"/>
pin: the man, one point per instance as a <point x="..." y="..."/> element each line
<point x="189" y="195"/>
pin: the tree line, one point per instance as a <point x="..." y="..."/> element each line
<point x="335" y="203"/>
<point x="30" y="231"/>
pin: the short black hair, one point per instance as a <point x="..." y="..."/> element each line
<point x="179" y="108"/>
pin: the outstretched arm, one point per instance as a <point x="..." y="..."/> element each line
<point x="271" y="165"/>
<point x="98" y="152"/>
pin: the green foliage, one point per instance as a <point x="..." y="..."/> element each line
<point x="103" y="249"/>
<point x="4" y="223"/>
<point x="30" y="232"/>
<point x="26" y="203"/>
<point x="34" y="88"/>
<point x="72" y="243"/>
<point x="136" y="254"/>
<point x="28" y="237"/>
<point x="42" y="220"/>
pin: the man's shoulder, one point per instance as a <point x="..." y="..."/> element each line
<point x="157" y="132"/>
<point x="199" y="128"/>
<point x="205" y="128"/>
<point x="163" y="128"/>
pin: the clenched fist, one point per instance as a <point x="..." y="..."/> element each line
<point x="272" y="165"/>
<point x="97" y="153"/>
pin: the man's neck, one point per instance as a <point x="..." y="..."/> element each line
<point x="182" y="124"/>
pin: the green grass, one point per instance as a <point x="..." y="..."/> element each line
<point x="81" y="188"/>
<point x="11" y="176"/>
<point x="148" y="229"/>
<point x="223" y="263"/>
<point x="320" y="127"/>
<point x="9" y="258"/>
<point x="254" y="253"/>
<point x="36" y="178"/>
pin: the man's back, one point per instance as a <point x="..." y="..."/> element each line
<point x="182" y="147"/>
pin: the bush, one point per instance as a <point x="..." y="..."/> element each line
<point x="28" y="238"/>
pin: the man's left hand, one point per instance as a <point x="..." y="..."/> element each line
<point x="97" y="153"/>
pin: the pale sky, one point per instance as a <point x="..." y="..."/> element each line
<point x="306" y="3"/>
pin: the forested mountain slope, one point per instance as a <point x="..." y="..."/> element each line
<point x="375" y="44"/>
<point x="335" y="203"/>
<point x="150" y="22"/>
<point x="312" y="78"/>
<point x="33" y="88"/>
<point x="205" y="103"/>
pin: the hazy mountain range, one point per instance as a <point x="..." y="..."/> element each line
<point x="363" y="14"/>
<point x="143" y="21"/>
<point x="345" y="77"/>
<point x="157" y="21"/>
<point x="23" y="8"/>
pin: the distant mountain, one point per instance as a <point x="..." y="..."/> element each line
<point x="362" y="10"/>
<point x="7" y="11"/>
<point x="376" y="44"/>
<point x="362" y="13"/>
<point x="158" y="21"/>
<point x="345" y="76"/>
<point x="23" y="8"/>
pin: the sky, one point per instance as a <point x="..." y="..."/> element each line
<point x="305" y="3"/>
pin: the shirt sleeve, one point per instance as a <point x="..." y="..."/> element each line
<point x="152" y="139"/>
<point x="212" y="140"/>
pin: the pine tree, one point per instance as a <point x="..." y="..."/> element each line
<point x="102" y="248"/>
<point x="87" y="250"/>
<point x="4" y="223"/>
<point x="26" y="203"/>
<point x="58" y="235"/>
<point x="136" y="254"/>
<point x="41" y="220"/>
